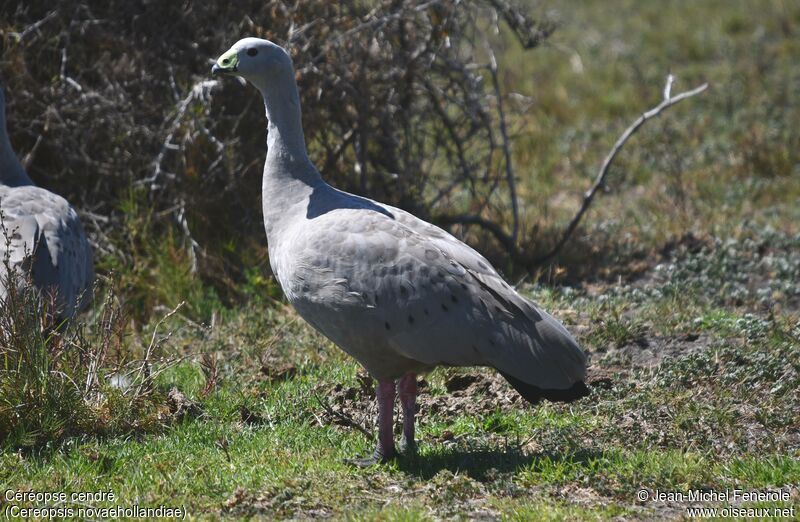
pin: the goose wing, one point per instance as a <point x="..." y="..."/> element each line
<point x="433" y="298"/>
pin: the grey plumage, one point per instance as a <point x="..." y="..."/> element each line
<point x="397" y="293"/>
<point x="400" y="295"/>
<point x="45" y="235"/>
<point x="403" y="296"/>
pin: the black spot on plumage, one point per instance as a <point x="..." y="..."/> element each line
<point x="453" y="298"/>
<point x="410" y="319"/>
<point x="403" y="291"/>
<point x="426" y="311"/>
<point x="387" y="325"/>
<point x="444" y="307"/>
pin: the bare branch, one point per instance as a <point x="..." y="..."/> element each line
<point x="667" y="102"/>
<point x="512" y="186"/>
<point x="343" y="417"/>
<point x="373" y="21"/>
<point x="145" y="377"/>
<point x="491" y="226"/>
<point x="35" y="26"/>
<point x="200" y="91"/>
<point x="529" y="32"/>
<point x="668" y="86"/>
<point x="194" y="246"/>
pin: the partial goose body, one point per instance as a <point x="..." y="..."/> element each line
<point x="400" y="295"/>
<point x="45" y="237"/>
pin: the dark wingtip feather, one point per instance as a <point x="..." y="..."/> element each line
<point x="534" y="394"/>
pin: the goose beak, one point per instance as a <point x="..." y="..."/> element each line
<point x="228" y="63"/>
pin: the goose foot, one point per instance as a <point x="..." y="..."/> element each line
<point x="407" y="447"/>
<point x="377" y="458"/>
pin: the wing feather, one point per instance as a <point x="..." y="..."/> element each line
<point x="433" y="298"/>
<point x="47" y="239"/>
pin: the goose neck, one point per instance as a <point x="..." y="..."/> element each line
<point x="285" y="128"/>
<point x="12" y="174"/>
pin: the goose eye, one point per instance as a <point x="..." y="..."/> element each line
<point x="252" y="51"/>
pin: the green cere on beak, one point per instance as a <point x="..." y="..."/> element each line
<point x="227" y="63"/>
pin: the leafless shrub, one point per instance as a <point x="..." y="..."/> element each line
<point x="113" y="107"/>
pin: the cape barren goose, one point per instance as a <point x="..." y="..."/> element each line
<point x="45" y="236"/>
<point x="400" y="295"/>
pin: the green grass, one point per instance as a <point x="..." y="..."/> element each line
<point x="710" y="165"/>
<point x="683" y="285"/>
<point x="719" y="414"/>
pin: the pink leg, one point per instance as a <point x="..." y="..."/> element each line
<point x="385" y="394"/>
<point x="384" y="451"/>
<point x="407" y="389"/>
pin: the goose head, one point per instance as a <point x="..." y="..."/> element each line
<point x="257" y="61"/>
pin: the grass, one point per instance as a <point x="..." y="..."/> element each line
<point x="715" y="412"/>
<point x="710" y="166"/>
<point x="683" y="286"/>
<point x="57" y="377"/>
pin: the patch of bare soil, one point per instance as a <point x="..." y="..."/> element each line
<point x="484" y="392"/>
<point x="251" y="418"/>
<point x="275" y="369"/>
<point x="472" y="394"/>
<point x="181" y="407"/>
<point x="612" y="365"/>
<point x="446" y="494"/>
<point x="280" y="502"/>
<point x="637" y="267"/>
<point x="467" y="393"/>
<point x="650" y="351"/>
<point x="349" y="406"/>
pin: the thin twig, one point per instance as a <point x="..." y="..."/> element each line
<point x="528" y="31"/>
<point x="35" y="26"/>
<point x="199" y="91"/>
<point x="472" y="219"/>
<point x="349" y="421"/>
<point x="194" y="246"/>
<point x="666" y="102"/>
<point x="512" y="186"/>
<point x="144" y="368"/>
<point x="372" y="22"/>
